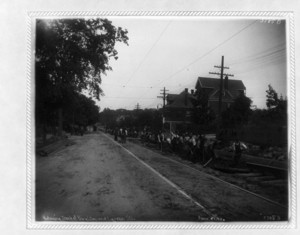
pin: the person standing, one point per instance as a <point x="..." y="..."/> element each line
<point x="121" y="135"/>
<point x="238" y="148"/>
<point x="202" y="149"/>
<point x="159" y="141"/>
<point x="116" y="134"/>
<point x="125" y="135"/>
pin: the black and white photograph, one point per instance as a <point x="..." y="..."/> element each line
<point x="161" y="119"/>
<point x="149" y="116"/>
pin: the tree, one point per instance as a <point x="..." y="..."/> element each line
<point x="241" y="107"/>
<point x="203" y="114"/>
<point x="71" y="56"/>
<point x="238" y="113"/>
<point x="131" y="118"/>
<point x="272" y="98"/>
<point x="277" y="107"/>
<point x="149" y="117"/>
<point x="81" y="111"/>
<point x="108" y="118"/>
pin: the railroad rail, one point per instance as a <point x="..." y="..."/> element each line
<point x="223" y="181"/>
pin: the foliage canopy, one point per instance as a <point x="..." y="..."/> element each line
<point x="72" y="54"/>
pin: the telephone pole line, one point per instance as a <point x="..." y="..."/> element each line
<point x="164" y="96"/>
<point x="137" y="107"/>
<point x="222" y="67"/>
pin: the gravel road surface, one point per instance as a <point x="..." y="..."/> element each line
<point x="98" y="179"/>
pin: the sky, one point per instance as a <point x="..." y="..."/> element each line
<point x="172" y="52"/>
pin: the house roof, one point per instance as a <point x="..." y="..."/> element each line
<point x="179" y="100"/>
<point x="171" y="97"/>
<point x="215" y="83"/>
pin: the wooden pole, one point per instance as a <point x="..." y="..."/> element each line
<point x="221" y="86"/>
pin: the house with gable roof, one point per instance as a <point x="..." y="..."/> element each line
<point x="179" y="107"/>
<point x="210" y="88"/>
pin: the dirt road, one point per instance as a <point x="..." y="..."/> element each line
<point x="99" y="179"/>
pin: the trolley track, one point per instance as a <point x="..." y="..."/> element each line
<point x="254" y="175"/>
<point x="163" y="160"/>
<point x="218" y="196"/>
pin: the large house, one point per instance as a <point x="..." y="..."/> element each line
<point x="210" y="88"/>
<point x="180" y="107"/>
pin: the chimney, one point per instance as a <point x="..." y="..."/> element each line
<point x="186" y="95"/>
<point x="192" y="92"/>
<point x="226" y="83"/>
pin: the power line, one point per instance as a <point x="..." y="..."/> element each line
<point x="146" y="87"/>
<point x="271" y="49"/>
<point x="142" y="61"/>
<point x="260" y="60"/>
<point x="265" y="60"/>
<point x="268" y="60"/>
<point x="260" y="57"/>
<point x="118" y="97"/>
<point x="154" y="44"/>
<point x="262" y="65"/>
<point x="199" y="58"/>
<point x="190" y="83"/>
<point x="207" y="53"/>
<point x="255" y="57"/>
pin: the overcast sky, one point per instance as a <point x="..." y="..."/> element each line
<point x="173" y="52"/>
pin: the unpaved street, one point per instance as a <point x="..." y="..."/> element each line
<point x="98" y="179"/>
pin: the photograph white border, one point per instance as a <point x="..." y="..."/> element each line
<point x="30" y="138"/>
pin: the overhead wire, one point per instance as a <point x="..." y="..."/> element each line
<point x="271" y="49"/>
<point x="118" y="97"/>
<point x="279" y="51"/>
<point x="262" y="59"/>
<point x="208" y="52"/>
<point x="263" y="65"/>
<point x="204" y="55"/>
<point x="149" y="51"/>
<point x="272" y="54"/>
<point x="146" y="87"/>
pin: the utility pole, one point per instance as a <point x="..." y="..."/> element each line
<point x="137" y="107"/>
<point x="164" y="96"/>
<point x="222" y="67"/>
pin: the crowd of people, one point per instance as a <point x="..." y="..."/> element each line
<point x="190" y="146"/>
<point x="195" y="147"/>
<point x="120" y="134"/>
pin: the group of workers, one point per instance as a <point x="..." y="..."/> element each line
<point x="190" y="146"/>
<point x="122" y="133"/>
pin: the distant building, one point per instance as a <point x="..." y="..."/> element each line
<point x="210" y="89"/>
<point x="179" y="107"/>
